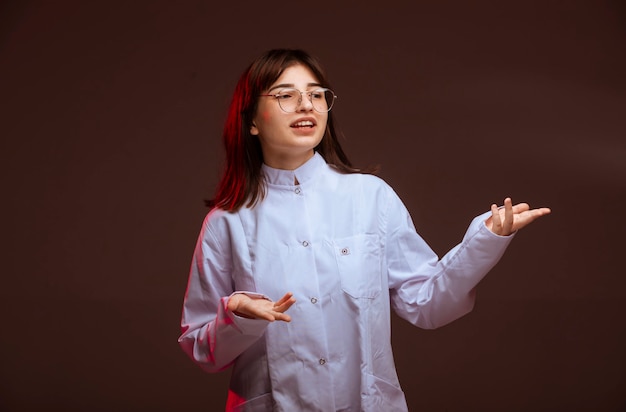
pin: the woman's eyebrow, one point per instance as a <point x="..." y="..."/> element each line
<point x="293" y="85"/>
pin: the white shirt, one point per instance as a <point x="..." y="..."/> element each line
<point x="345" y="245"/>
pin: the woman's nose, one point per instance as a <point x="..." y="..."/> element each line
<point x="305" y="102"/>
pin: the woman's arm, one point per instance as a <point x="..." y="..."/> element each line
<point x="431" y="292"/>
<point x="218" y="323"/>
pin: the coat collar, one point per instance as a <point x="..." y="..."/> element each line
<point x="303" y="173"/>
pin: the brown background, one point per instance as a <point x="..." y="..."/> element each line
<point x="111" y="116"/>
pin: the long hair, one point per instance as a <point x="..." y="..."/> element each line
<point x="242" y="182"/>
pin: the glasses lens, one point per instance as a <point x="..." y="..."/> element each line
<point x="288" y="99"/>
<point x="321" y="99"/>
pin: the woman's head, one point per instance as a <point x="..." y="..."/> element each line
<point x="246" y="135"/>
<point x="290" y="118"/>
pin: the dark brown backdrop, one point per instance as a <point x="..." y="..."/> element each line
<point x="111" y="114"/>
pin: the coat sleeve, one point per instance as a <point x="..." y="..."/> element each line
<point x="213" y="336"/>
<point x="427" y="291"/>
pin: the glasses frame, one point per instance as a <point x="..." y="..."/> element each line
<point x="308" y="93"/>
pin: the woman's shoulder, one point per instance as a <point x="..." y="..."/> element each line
<point x="220" y="224"/>
<point x="218" y="218"/>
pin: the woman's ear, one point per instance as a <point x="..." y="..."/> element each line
<point x="254" y="130"/>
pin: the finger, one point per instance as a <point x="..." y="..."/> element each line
<point x="282" y="316"/>
<point x="496" y="224"/>
<point x="520" y="208"/>
<point x="544" y="211"/>
<point x="535" y="213"/>
<point x="507" y="226"/>
<point x="284" y="299"/>
<point x="528" y="217"/>
<point x="266" y="315"/>
<point x="285" y="305"/>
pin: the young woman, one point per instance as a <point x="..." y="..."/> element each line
<point x="302" y="257"/>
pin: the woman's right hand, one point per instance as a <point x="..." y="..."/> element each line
<point x="259" y="308"/>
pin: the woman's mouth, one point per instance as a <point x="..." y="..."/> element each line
<point x="303" y="124"/>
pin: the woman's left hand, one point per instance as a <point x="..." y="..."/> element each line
<point x="506" y="220"/>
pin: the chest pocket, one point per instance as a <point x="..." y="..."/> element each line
<point x="358" y="261"/>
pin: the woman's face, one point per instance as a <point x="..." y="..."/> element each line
<point x="288" y="139"/>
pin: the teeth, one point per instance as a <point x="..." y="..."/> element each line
<point x="303" y="124"/>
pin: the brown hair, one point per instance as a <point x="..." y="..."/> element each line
<point x="242" y="182"/>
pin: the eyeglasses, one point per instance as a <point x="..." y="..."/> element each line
<point x="290" y="99"/>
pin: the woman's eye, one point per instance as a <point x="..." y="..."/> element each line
<point x="317" y="95"/>
<point x="286" y="95"/>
